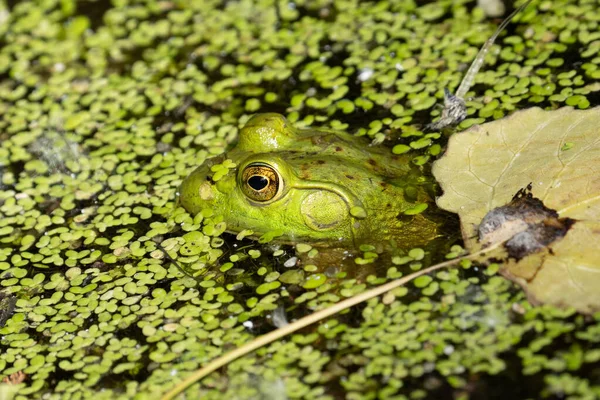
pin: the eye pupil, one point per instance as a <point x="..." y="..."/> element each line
<point x="258" y="182"/>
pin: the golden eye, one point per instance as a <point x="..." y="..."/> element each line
<point x="260" y="182"/>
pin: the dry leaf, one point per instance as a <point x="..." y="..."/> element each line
<point x="558" y="152"/>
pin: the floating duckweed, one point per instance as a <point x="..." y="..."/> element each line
<point x="346" y="106"/>
<point x="420" y="160"/>
<point x="272" y="276"/>
<point x="578" y="101"/>
<point x="422" y="281"/>
<point x="267" y="287"/>
<point x="469" y="122"/>
<point x="269" y="236"/>
<point x="252" y="105"/>
<point x="72" y="273"/>
<point x="421" y="143"/>
<point x="492" y="269"/>
<point x="293" y="277"/>
<point x="226" y="267"/>
<point x="435" y="149"/>
<point x="431" y="289"/>
<point x="254" y="253"/>
<point x="313" y="253"/>
<point x="78" y="181"/>
<point x="366" y="247"/>
<point x="303" y="248"/>
<point x="363" y="261"/>
<point x="416" y="254"/>
<point x="397" y="260"/>
<point x="244" y="233"/>
<point x="457" y="248"/>
<point x="313" y="281"/>
<point x="418" y="209"/>
<point x="220" y="170"/>
<point x="415" y="266"/>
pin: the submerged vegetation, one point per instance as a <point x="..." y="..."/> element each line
<point x="107" y="106"/>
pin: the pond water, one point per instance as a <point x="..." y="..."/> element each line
<point x="107" y="106"/>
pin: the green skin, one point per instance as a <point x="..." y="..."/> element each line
<point x="334" y="189"/>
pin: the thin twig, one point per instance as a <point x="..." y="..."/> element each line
<point x="309" y="320"/>
<point x="467" y="81"/>
<point x="455" y="108"/>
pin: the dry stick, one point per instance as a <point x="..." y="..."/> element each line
<point x="311" y="319"/>
<point x="455" y="109"/>
<point x="467" y="81"/>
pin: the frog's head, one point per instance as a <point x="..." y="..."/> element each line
<point x="266" y="132"/>
<point x="280" y="181"/>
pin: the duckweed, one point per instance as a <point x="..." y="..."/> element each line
<point x="106" y="109"/>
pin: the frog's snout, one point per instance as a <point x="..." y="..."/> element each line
<point x="197" y="191"/>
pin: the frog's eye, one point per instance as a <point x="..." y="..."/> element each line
<point x="260" y="182"/>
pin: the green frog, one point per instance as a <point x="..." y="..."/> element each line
<point x="321" y="187"/>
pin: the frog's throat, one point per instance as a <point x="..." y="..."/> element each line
<point x="348" y="197"/>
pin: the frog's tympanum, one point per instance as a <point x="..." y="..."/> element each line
<point x="329" y="189"/>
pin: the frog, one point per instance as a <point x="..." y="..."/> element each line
<point x="322" y="187"/>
